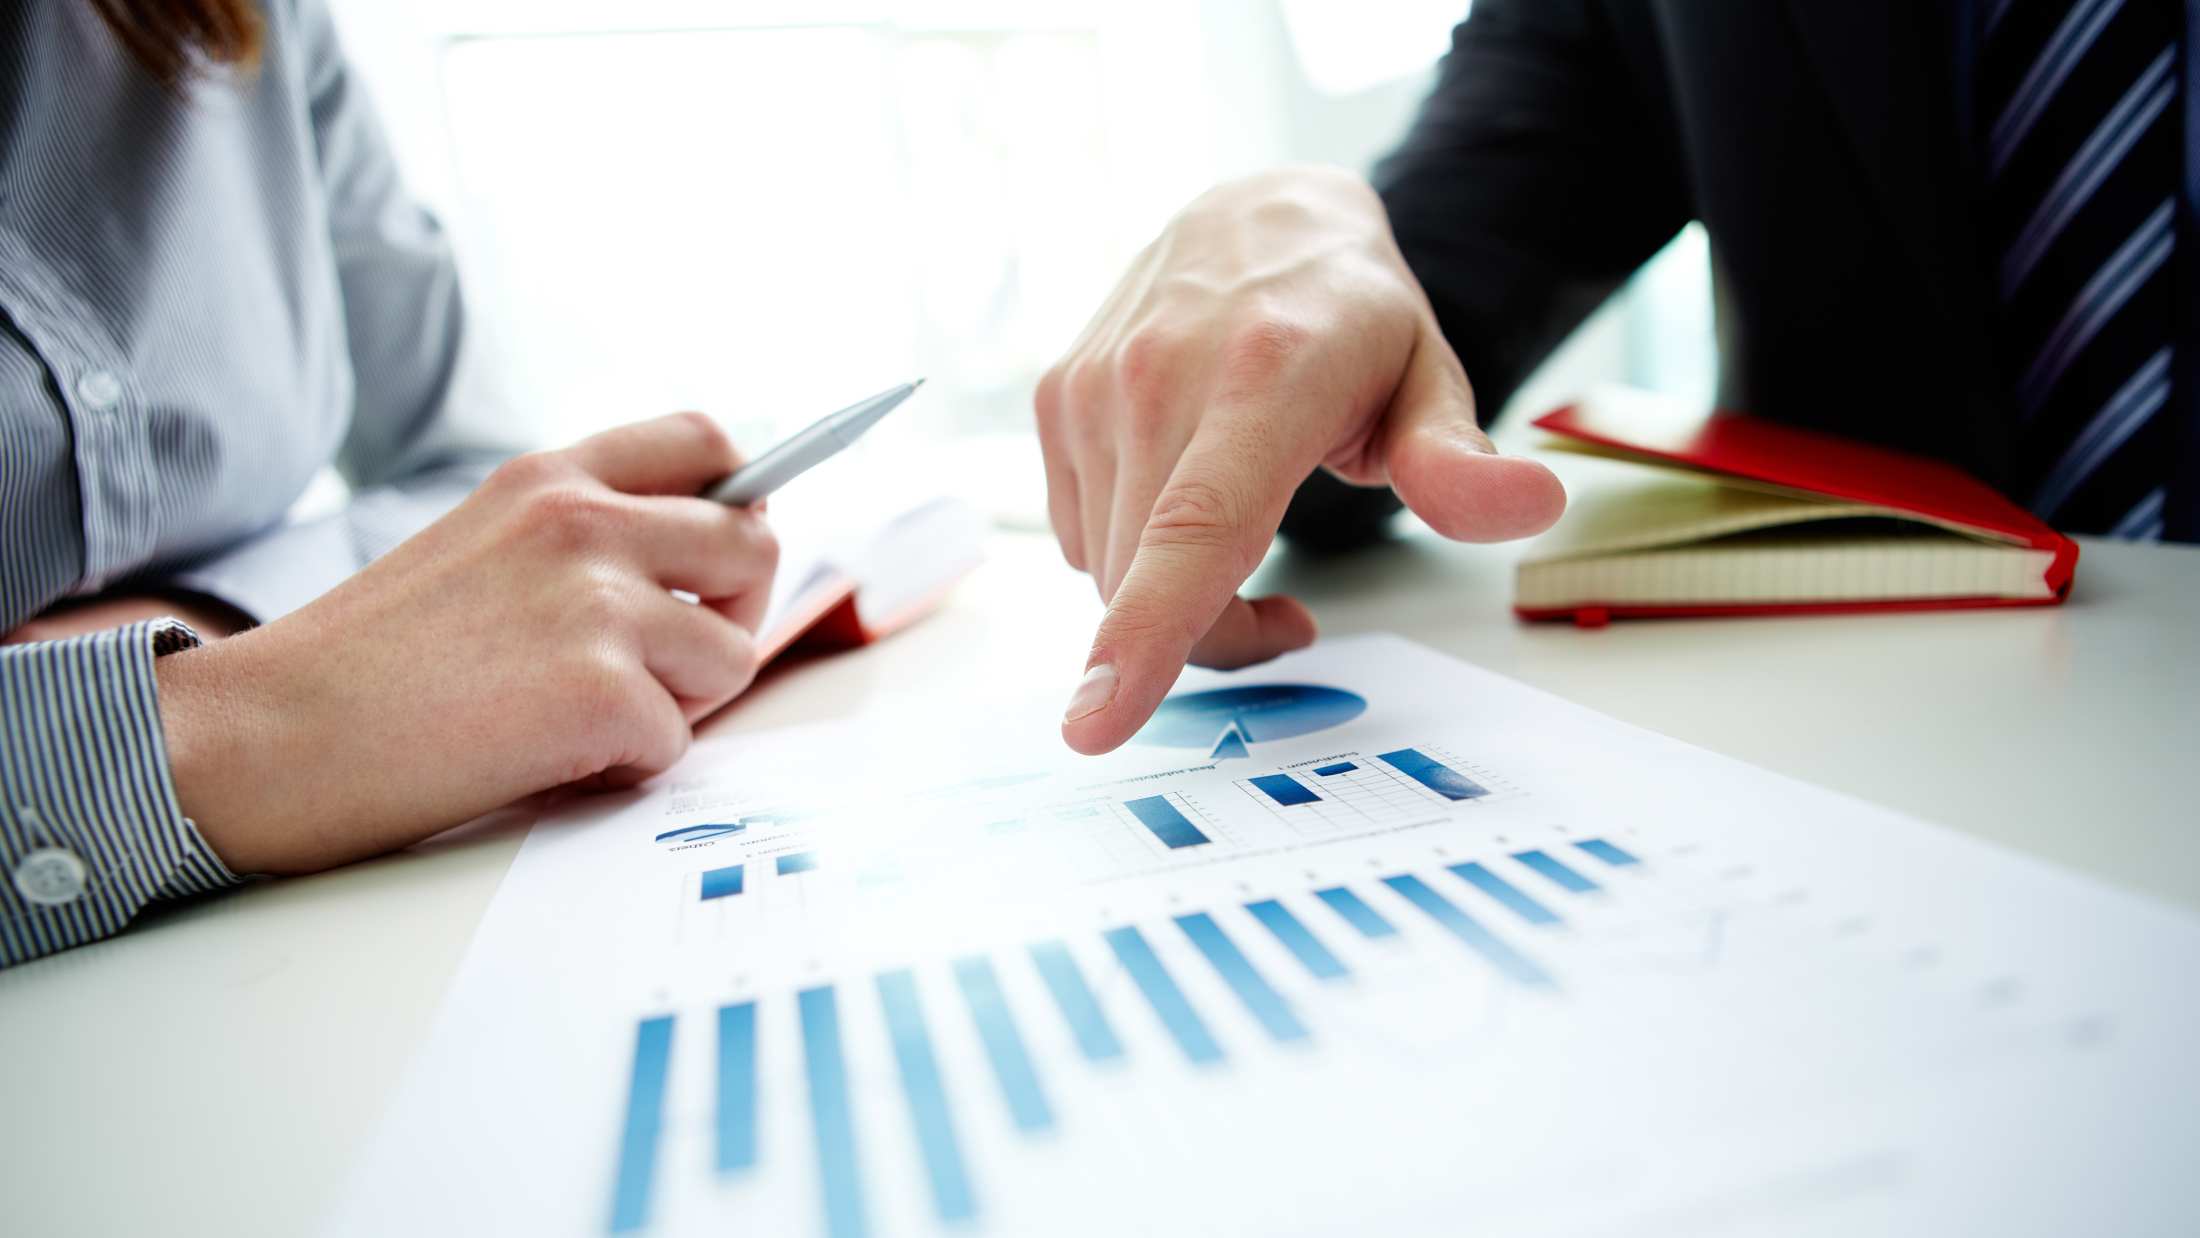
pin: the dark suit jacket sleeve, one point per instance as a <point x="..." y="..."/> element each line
<point x="1541" y="172"/>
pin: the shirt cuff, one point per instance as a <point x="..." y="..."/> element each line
<point x="90" y="830"/>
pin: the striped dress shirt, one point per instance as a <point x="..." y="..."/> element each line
<point x="207" y="295"/>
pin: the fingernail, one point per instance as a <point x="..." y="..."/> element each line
<point x="1093" y="693"/>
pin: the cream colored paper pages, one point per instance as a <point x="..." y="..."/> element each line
<point x="1650" y="535"/>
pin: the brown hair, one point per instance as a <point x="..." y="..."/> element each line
<point x="175" y="39"/>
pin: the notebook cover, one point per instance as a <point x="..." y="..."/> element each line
<point x="1738" y="445"/>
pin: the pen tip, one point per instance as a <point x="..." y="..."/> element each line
<point x="914" y="385"/>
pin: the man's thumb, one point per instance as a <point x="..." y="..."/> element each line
<point x="1443" y="466"/>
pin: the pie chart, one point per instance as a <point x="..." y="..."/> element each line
<point x="1222" y="721"/>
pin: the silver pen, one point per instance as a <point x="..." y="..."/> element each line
<point x="822" y="439"/>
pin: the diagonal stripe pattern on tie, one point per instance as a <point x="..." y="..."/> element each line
<point x="2080" y="134"/>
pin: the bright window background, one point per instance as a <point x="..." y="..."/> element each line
<point x="765" y="210"/>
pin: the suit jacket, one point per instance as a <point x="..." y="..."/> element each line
<point x="1819" y="142"/>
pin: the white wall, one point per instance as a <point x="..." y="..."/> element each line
<point x="763" y="208"/>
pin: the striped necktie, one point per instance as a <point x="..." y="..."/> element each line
<point x="2078" y="106"/>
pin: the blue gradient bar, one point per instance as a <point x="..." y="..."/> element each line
<point x="1356" y="912"/>
<point x="1173" y="828"/>
<point x="1464" y="927"/>
<point x="1244" y="979"/>
<point x="1610" y="853"/>
<point x="1551" y="867"/>
<point x="1095" y="1039"/>
<point x="1004" y="1045"/>
<point x="1434" y="774"/>
<point x="645" y="1118"/>
<point x="721" y="882"/>
<point x="1341" y="767"/>
<point x="1285" y="790"/>
<point x="1513" y="897"/>
<point x="830" y="1116"/>
<point x="920" y="1082"/>
<point x="1137" y="956"/>
<point x="1298" y="940"/>
<point x="736" y="1087"/>
<point x="798" y="862"/>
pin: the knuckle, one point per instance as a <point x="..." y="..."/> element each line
<point x="742" y="659"/>
<point x="707" y="434"/>
<point x="573" y="517"/>
<point x="600" y="687"/>
<point x="599" y="601"/>
<point x="1202" y="513"/>
<point x="1148" y="376"/>
<point x="1046" y="398"/>
<point x="1264" y="349"/>
<point x="1087" y="386"/>
<point x="1147" y="364"/>
<point x="764" y="544"/>
<point x="526" y="472"/>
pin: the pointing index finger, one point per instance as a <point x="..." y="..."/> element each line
<point x="1208" y="530"/>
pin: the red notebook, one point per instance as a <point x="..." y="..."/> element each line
<point x="855" y="586"/>
<point x="1726" y="514"/>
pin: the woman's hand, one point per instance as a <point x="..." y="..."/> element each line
<point x="527" y="640"/>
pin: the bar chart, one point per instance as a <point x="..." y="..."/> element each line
<point x="1487" y="910"/>
<point x="1469" y="959"/>
<point x="1339" y="798"/>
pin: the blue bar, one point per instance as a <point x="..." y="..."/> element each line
<point x="1285" y="790"/>
<point x="1514" y="898"/>
<point x="1004" y="1045"/>
<point x="645" y="1117"/>
<point x="1341" y="767"/>
<point x="920" y="1082"/>
<point x="720" y="882"/>
<point x="1095" y="1039"/>
<point x="1610" y="853"/>
<point x="1298" y="940"/>
<point x="1464" y="927"/>
<point x="1170" y="826"/>
<point x="829" y="1113"/>
<point x="1244" y="979"/>
<point x="1356" y="912"/>
<point x="1161" y="992"/>
<point x="1545" y="864"/>
<point x="797" y="862"/>
<point x="736" y="1087"/>
<point x="1433" y="774"/>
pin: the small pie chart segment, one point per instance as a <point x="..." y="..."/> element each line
<point x="1223" y="721"/>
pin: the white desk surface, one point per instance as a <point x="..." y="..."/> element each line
<point x="214" y="1069"/>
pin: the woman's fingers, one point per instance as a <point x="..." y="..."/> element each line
<point x="718" y="553"/>
<point x="702" y="658"/>
<point x="679" y="453"/>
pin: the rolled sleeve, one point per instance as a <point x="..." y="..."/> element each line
<point x="90" y="830"/>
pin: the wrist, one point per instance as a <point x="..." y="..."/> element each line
<point x="232" y="758"/>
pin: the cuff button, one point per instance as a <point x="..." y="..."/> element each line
<point x="50" y="877"/>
